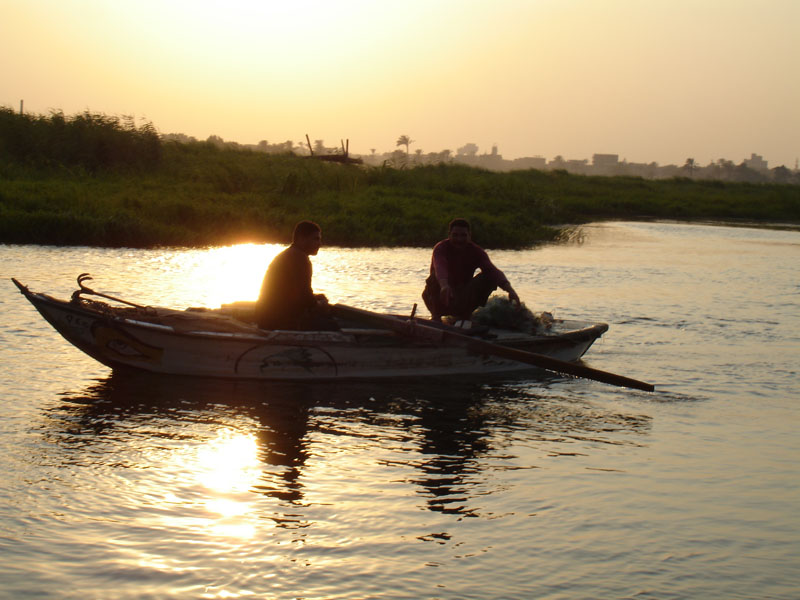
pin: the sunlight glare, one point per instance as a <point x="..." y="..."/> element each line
<point x="230" y="464"/>
<point x="229" y="468"/>
<point x="216" y="276"/>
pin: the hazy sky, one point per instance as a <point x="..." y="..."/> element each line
<point x="650" y="80"/>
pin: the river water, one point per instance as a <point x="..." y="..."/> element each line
<point x="130" y="487"/>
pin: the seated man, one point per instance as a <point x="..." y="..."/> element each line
<point x="451" y="288"/>
<point x="287" y="300"/>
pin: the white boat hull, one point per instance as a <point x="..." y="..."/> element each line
<point x="122" y="340"/>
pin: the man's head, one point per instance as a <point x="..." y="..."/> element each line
<point x="459" y="233"/>
<point x="307" y="236"/>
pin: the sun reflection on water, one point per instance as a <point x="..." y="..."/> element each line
<point x="228" y="468"/>
<point x="230" y="462"/>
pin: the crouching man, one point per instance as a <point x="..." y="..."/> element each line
<point x="452" y="288"/>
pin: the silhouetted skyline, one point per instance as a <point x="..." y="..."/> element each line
<point x="752" y="169"/>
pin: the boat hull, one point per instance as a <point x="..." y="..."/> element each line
<point x="131" y="342"/>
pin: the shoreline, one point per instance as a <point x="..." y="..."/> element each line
<point x="567" y="234"/>
<point x="199" y="196"/>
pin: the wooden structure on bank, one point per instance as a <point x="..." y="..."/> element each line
<point x="344" y="157"/>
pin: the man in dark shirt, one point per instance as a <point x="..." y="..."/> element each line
<point x="451" y="288"/>
<point x="287" y="300"/>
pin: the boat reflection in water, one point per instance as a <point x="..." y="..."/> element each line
<point x="225" y="442"/>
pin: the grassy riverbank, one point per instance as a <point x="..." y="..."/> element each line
<point x="164" y="193"/>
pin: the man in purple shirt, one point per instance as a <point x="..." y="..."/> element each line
<point x="451" y="288"/>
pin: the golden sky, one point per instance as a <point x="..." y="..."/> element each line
<point x="650" y="80"/>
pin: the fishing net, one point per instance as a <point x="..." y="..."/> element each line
<point x="501" y="313"/>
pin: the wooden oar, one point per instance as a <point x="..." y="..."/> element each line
<point x="420" y="330"/>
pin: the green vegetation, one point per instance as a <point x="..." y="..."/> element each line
<point x="96" y="180"/>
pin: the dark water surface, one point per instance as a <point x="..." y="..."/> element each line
<point x="128" y="487"/>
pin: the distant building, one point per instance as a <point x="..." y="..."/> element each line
<point x="580" y="167"/>
<point x="756" y="162"/>
<point x="646" y="170"/>
<point x="605" y="164"/>
<point x="529" y="162"/>
<point x="493" y="161"/>
<point x="605" y="160"/>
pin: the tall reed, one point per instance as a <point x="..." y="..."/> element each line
<point x="90" y="141"/>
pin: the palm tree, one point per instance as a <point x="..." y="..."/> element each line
<point x="404" y="140"/>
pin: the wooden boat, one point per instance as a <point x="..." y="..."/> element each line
<point x="215" y="343"/>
